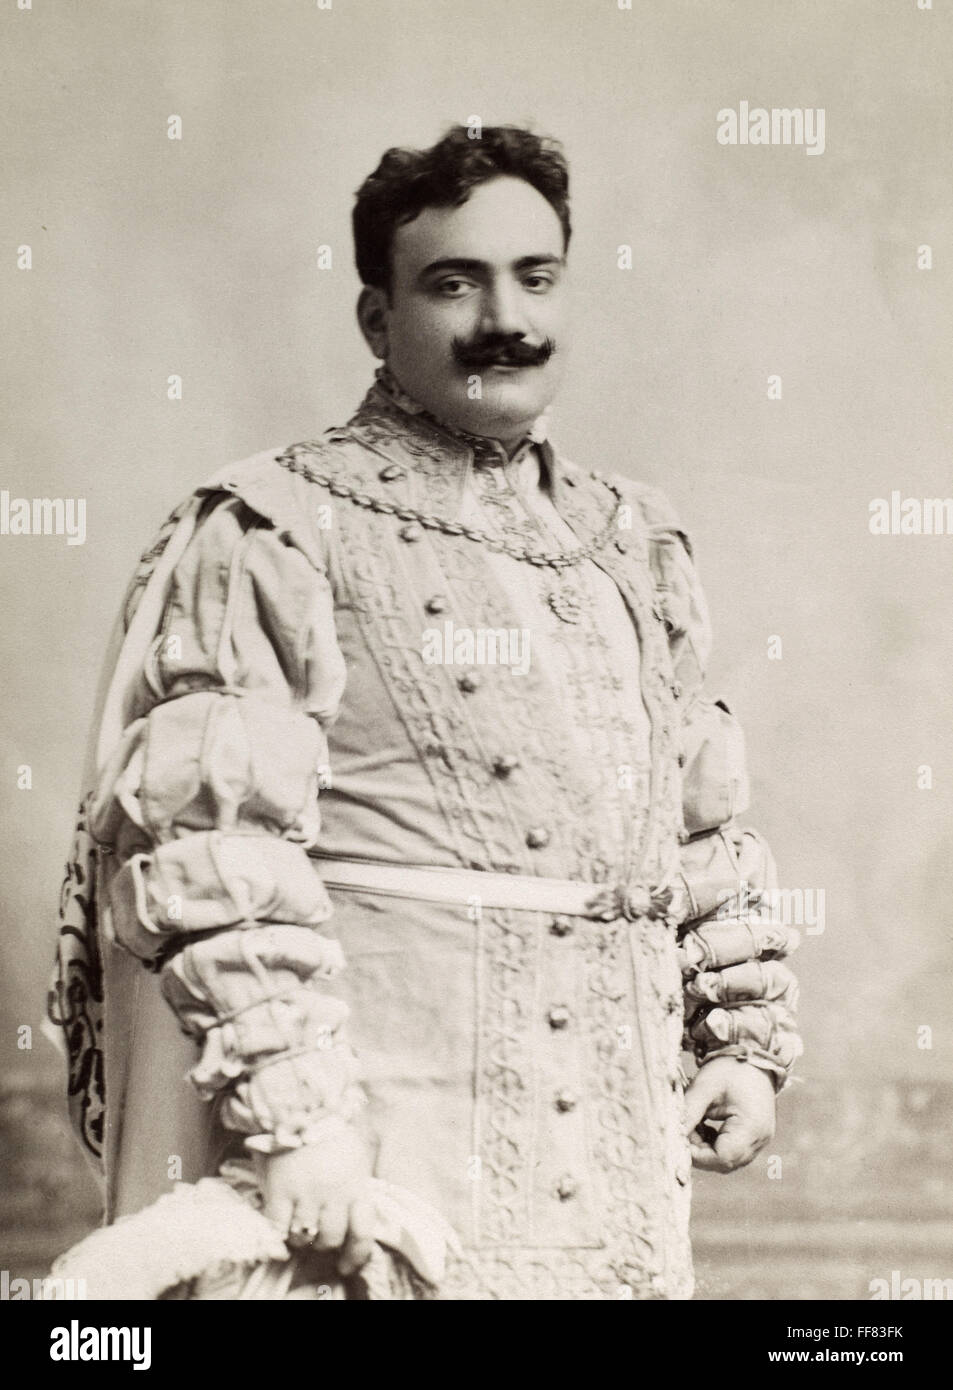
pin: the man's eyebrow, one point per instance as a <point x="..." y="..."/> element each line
<point x="548" y="258"/>
<point x="463" y="263"/>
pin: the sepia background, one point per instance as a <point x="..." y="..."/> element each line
<point x="198" y="257"/>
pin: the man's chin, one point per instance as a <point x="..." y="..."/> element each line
<point x="511" y="397"/>
<point x="498" y="424"/>
<point x="509" y="401"/>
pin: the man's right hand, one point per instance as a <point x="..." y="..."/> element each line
<point x="318" y="1195"/>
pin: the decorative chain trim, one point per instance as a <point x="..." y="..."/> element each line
<point x="557" y="559"/>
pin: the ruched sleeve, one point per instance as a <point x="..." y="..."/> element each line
<point x="740" y="999"/>
<point x="209" y="804"/>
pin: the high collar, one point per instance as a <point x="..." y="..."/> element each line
<point x="444" y="458"/>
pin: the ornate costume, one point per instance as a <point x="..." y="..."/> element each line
<point x="408" y="798"/>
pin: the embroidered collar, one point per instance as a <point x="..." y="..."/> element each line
<point x="446" y="458"/>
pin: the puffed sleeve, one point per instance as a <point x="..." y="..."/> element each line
<point x="209" y="804"/>
<point x="740" y="998"/>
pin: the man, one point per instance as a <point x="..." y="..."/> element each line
<point x="408" y="795"/>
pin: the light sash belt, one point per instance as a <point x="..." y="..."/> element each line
<point x="518" y="892"/>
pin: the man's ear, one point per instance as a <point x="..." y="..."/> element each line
<point x="372" y="306"/>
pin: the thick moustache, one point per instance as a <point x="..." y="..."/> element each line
<point x="513" y="355"/>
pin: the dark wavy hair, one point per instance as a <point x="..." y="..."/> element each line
<point x="407" y="181"/>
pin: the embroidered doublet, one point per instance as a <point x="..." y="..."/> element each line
<point x="521" y="1069"/>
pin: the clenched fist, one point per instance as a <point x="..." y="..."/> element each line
<point x="740" y="1099"/>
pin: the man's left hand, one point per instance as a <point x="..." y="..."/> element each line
<point x="740" y="1099"/>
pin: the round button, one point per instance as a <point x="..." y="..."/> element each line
<point x="566" y="1187"/>
<point x="558" y="1016"/>
<point x="469" y="682"/>
<point x="437" y="604"/>
<point x="538" y="837"/>
<point x="566" y="1100"/>
<point x="392" y="472"/>
<point x="561" y="926"/>
<point x="412" y="531"/>
<point x="505" y="764"/>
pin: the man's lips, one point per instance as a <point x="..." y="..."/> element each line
<point x="500" y="365"/>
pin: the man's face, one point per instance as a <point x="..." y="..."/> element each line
<point x="478" y="302"/>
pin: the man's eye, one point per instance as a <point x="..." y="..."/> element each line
<point x="539" y="282"/>
<point x="454" y="287"/>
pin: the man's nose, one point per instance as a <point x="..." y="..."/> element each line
<point x="503" y="311"/>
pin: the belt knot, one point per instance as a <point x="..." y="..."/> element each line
<point x="629" y="900"/>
